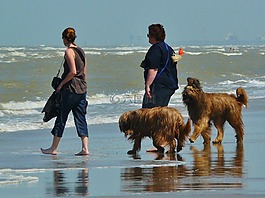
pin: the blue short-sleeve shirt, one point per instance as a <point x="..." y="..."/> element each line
<point x="156" y="58"/>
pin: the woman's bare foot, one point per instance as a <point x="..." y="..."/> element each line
<point x="154" y="149"/>
<point x="82" y="153"/>
<point x="49" y="151"/>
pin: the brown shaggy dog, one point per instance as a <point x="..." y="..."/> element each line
<point x="162" y="124"/>
<point x="218" y="108"/>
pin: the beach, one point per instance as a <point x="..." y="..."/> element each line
<point x="115" y="85"/>
<point x="199" y="170"/>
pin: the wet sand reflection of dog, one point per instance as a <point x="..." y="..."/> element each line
<point x="206" y="163"/>
<point x="201" y="175"/>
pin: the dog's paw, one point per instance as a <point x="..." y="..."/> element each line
<point x="131" y="152"/>
<point x="216" y="141"/>
<point x="191" y="141"/>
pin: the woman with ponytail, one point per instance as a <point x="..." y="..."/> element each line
<point x="73" y="88"/>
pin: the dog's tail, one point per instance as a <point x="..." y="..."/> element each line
<point x="241" y="96"/>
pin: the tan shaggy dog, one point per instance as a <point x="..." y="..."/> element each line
<point x="162" y="124"/>
<point x="218" y="108"/>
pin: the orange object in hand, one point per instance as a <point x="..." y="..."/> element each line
<point x="181" y="52"/>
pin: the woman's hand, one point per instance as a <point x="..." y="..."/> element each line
<point x="58" y="89"/>
<point x="150" y="79"/>
<point x="148" y="91"/>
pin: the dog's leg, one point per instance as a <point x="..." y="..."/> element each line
<point x="199" y="127"/>
<point x="219" y="125"/>
<point x="180" y="145"/>
<point x="195" y="134"/>
<point x="206" y="134"/>
<point x="238" y="126"/>
<point x="172" y="146"/>
<point x="136" y="146"/>
<point x="235" y="120"/>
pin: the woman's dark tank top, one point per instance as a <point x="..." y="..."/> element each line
<point x="78" y="83"/>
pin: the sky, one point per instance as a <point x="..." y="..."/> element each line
<point x="125" y="22"/>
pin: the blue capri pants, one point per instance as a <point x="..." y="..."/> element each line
<point x="76" y="103"/>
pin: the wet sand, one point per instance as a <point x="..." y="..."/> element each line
<point x="199" y="170"/>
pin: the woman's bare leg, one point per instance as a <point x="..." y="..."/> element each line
<point x="84" y="151"/>
<point x="53" y="149"/>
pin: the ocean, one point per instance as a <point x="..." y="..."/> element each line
<point x="115" y="79"/>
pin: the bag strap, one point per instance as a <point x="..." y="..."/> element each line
<point x="59" y="70"/>
<point x="79" y="53"/>
<point x="166" y="45"/>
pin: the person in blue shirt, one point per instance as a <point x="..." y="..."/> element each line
<point x="160" y="70"/>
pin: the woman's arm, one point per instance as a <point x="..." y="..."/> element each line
<point x="70" y="58"/>
<point x="85" y="69"/>
<point x="149" y="80"/>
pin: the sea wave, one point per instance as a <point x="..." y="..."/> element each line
<point x="108" y="102"/>
<point x="233" y="54"/>
<point x="102" y="109"/>
<point x="245" y="82"/>
<point x="10" y="54"/>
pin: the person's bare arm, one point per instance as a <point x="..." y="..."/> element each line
<point x="70" y="58"/>
<point x="150" y="79"/>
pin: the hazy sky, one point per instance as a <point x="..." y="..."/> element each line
<point x="125" y="22"/>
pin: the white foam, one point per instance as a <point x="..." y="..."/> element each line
<point x="194" y="53"/>
<point x="120" y="53"/>
<point x="144" y="164"/>
<point x="98" y="99"/>
<point x="12" y="105"/>
<point x="257" y="83"/>
<point x="16" y="53"/>
<point x="249" y="82"/>
<point x="12" y="48"/>
<point x="103" y="119"/>
<point x="8" y="176"/>
<point x="229" y="82"/>
<point x="93" y="52"/>
<point x="233" y="54"/>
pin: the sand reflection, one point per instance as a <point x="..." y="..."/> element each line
<point x="209" y="168"/>
<point x="62" y="184"/>
<point x="70" y="177"/>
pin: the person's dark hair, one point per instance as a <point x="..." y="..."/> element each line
<point x="69" y="34"/>
<point x="157" y="31"/>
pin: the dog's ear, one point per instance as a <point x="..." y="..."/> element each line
<point x="197" y="83"/>
<point x="190" y="81"/>
<point x="194" y="82"/>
